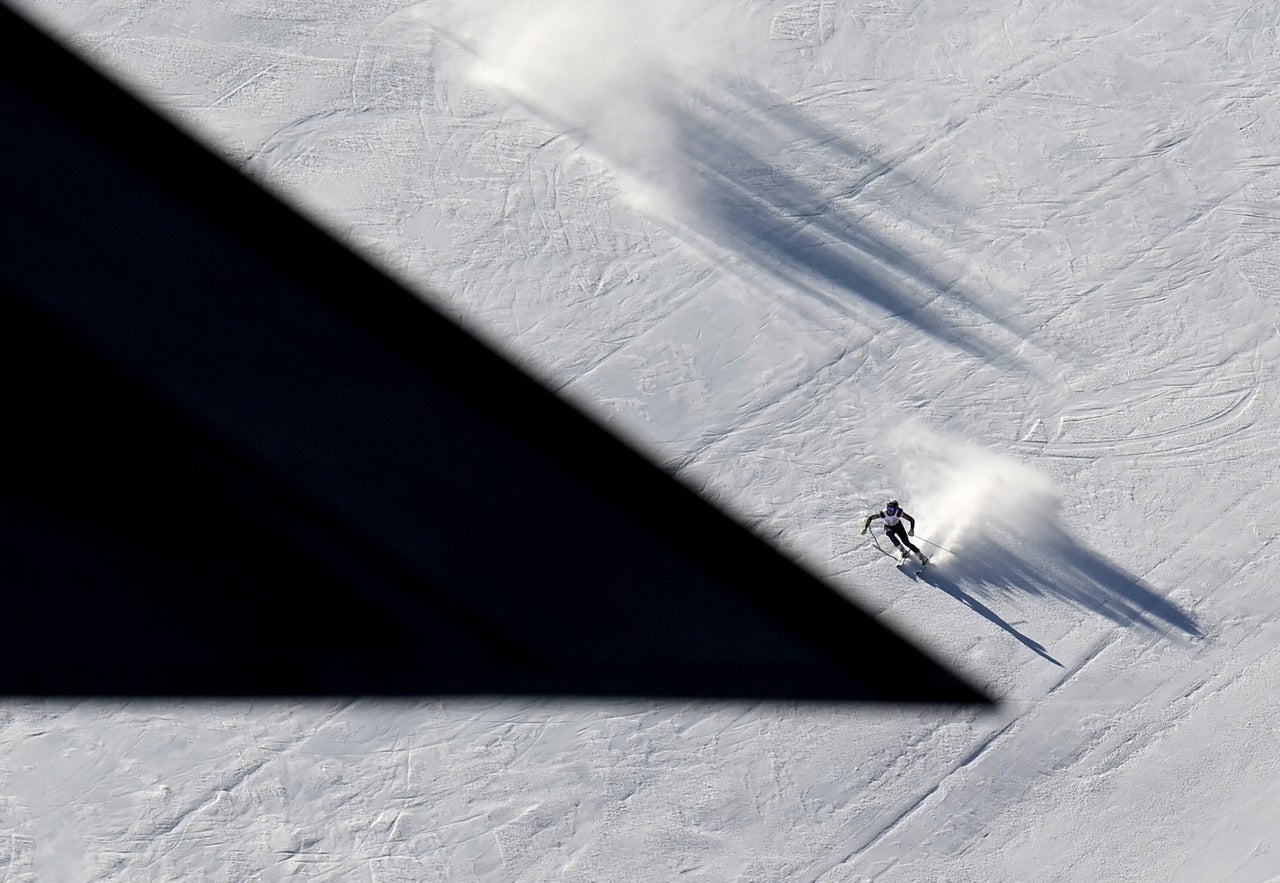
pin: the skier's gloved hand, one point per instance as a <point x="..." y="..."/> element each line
<point x="864" y="530"/>
<point x="911" y="531"/>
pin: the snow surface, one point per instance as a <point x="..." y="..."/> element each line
<point x="1012" y="263"/>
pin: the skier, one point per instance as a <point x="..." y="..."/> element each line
<point x="892" y="515"/>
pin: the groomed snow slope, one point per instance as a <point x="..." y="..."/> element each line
<point x="1012" y="264"/>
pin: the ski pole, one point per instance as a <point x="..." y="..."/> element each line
<point x="935" y="545"/>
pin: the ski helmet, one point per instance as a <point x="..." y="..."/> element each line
<point x="893" y="504"/>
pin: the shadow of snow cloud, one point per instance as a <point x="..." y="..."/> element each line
<point x="747" y="176"/>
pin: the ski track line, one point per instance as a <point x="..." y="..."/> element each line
<point x="1010" y="728"/>
<point x="985" y="103"/>
<point x="262" y="73"/>
<point x="1144" y="445"/>
<point x="1205" y="685"/>
<point x="247" y="49"/>
<point x="1114" y="759"/>
<point x="885" y="830"/>
<point x="226" y="785"/>
<point x="234" y="780"/>
<point x="1250" y="383"/>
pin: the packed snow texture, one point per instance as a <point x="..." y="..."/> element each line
<point x="1013" y="264"/>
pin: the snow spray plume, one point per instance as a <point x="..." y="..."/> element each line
<point x="1003" y="521"/>
<point x="967" y="492"/>
<point x="608" y="71"/>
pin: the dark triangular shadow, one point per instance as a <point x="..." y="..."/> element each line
<point x="243" y="462"/>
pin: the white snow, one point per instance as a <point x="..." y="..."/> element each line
<point x="1011" y="263"/>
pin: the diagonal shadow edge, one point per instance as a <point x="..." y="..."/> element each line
<point x="254" y="465"/>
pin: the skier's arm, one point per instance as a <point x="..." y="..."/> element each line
<point x="912" y="531"/>
<point x="870" y="518"/>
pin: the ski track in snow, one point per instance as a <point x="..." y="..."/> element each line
<point x="1013" y="264"/>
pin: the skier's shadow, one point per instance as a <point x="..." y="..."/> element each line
<point x="939" y="580"/>
<point x="1033" y="555"/>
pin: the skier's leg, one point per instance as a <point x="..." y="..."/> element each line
<point x="899" y="537"/>
<point x="924" y="559"/>
<point x="904" y="543"/>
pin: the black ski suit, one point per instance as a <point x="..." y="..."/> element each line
<point x="893" y="529"/>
